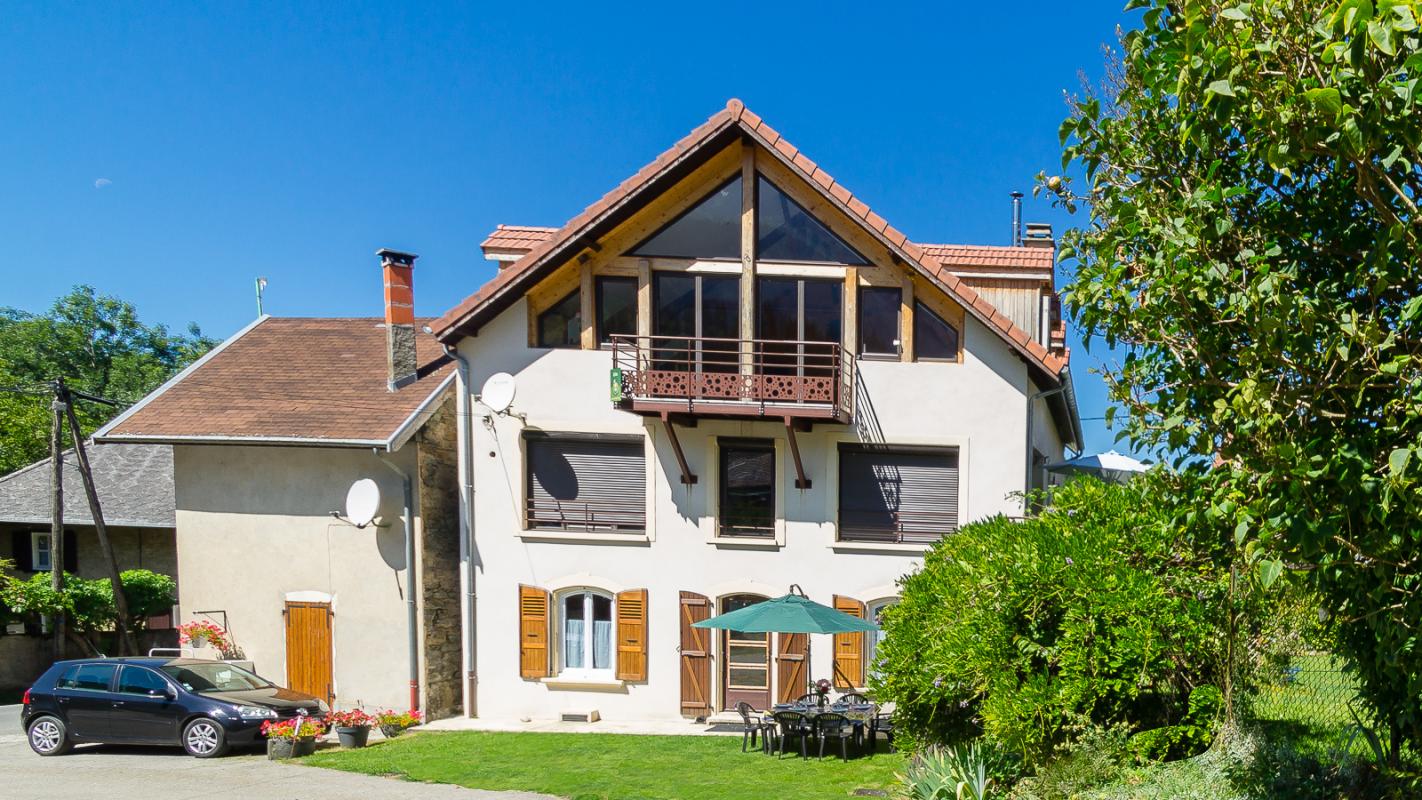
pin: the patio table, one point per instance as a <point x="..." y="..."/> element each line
<point x="859" y="713"/>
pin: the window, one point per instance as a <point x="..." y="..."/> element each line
<point x="874" y="612"/>
<point x="933" y="338"/>
<point x="907" y="495"/>
<point x="137" y="680"/>
<point x="586" y="484"/>
<point x="747" y="478"/>
<point x="879" y="320"/>
<point x="688" y="308"/>
<point x="710" y="229"/>
<point x="785" y="231"/>
<point x="586" y="627"/>
<point x="40" y="552"/>
<point x="562" y="325"/>
<point x="88" y="677"/>
<point x="616" y="307"/>
<point x="798" y="310"/>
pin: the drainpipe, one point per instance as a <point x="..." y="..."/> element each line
<point x="411" y="609"/>
<point x="465" y="433"/>
<point x="1031" y="399"/>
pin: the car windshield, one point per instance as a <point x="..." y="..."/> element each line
<point x="214" y="677"/>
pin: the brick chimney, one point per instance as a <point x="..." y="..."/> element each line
<point x="398" y="270"/>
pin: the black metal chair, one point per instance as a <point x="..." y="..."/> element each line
<point x="853" y="698"/>
<point x="831" y="725"/>
<point x="755" y="727"/>
<point x="813" y="700"/>
<point x="882" y="723"/>
<point x="793" y="725"/>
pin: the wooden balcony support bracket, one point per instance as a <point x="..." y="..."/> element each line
<point x="801" y="482"/>
<point x="686" y="475"/>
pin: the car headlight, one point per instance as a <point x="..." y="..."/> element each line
<point x="255" y="712"/>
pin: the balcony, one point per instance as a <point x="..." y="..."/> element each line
<point x="802" y="381"/>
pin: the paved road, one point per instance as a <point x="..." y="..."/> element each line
<point x="156" y="773"/>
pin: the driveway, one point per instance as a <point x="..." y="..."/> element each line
<point x="156" y="773"/>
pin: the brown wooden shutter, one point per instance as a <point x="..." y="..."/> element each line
<point x="849" y="648"/>
<point x="695" y="656"/>
<point x="632" y="635"/>
<point x="533" y="612"/>
<point x="791" y="660"/>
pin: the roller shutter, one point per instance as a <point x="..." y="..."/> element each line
<point x="897" y="495"/>
<point x="586" y="484"/>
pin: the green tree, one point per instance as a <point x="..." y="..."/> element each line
<point x="149" y="594"/>
<point x="99" y="346"/>
<point x="1252" y="171"/>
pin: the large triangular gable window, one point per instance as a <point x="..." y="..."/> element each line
<point x="787" y="232"/>
<point x="709" y="229"/>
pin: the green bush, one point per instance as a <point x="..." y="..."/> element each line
<point x="149" y="594"/>
<point x="1096" y="612"/>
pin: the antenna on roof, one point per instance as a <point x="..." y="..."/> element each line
<point x="261" y="284"/>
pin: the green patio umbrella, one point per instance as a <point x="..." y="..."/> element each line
<point x="793" y="613"/>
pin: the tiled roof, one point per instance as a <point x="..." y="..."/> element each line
<point x="289" y="379"/>
<point x="504" y="286"/>
<point x="519" y="239"/>
<point x="134" y="481"/>
<point x="516" y="238"/>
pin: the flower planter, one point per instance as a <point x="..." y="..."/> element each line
<point x="304" y="746"/>
<point x="391" y="731"/>
<point x="282" y="749"/>
<point x="353" y="737"/>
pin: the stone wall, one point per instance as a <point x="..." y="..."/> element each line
<point x="438" y="557"/>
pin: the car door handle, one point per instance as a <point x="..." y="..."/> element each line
<point x="118" y="703"/>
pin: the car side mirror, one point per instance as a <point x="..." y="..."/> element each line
<point x="166" y="692"/>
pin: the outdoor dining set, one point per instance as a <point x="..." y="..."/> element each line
<point x="849" y="719"/>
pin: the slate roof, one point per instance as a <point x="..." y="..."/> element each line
<point x="291" y="380"/>
<point x="135" y="483"/>
<point x="734" y="120"/>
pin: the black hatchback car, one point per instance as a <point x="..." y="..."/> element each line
<point x="204" y="706"/>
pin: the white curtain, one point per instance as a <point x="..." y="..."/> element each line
<point x="572" y="642"/>
<point x="602" y="644"/>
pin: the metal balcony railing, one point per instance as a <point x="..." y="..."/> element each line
<point x="629" y="515"/>
<point x="895" y="527"/>
<point x="737" y="377"/>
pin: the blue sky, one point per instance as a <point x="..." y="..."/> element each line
<point x="170" y="154"/>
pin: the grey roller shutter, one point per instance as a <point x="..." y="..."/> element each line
<point x="897" y="495"/>
<point x="587" y="484"/>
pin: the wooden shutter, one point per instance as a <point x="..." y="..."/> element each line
<point x="20" y="549"/>
<point x="308" y="649"/>
<point x="695" y="656"/>
<point x="848" y="648"/>
<point x="792" y="677"/>
<point x="71" y="552"/>
<point x="587" y="484"/>
<point x="533" y="612"/>
<point x="632" y="635"/>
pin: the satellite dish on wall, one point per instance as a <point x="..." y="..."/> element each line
<point x="363" y="502"/>
<point x="498" y="392"/>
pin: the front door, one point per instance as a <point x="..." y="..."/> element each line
<point x="746" y="674"/>
<point x="308" y="649"/>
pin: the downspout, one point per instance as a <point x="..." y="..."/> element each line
<point x="466" y="524"/>
<point x="411" y="609"/>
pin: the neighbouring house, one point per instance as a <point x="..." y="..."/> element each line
<point x="725" y="377"/>
<point x="730" y="377"/>
<point x="268" y="431"/>
<point x="135" y="487"/>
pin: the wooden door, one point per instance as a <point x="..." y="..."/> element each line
<point x="308" y="649"/>
<point x="792" y="665"/>
<point x="745" y="676"/>
<point x="695" y="656"/>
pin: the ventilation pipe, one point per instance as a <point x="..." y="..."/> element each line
<point x="1016" y="219"/>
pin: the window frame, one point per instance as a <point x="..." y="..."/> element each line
<point x="857" y="447"/>
<point x="604" y="337"/>
<point x="862" y="307"/>
<point x="585" y="673"/>
<point x="532" y="439"/>
<point x="576" y="340"/>
<point x="771" y="533"/>
<point x="920" y="309"/>
<point x="35" y="562"/>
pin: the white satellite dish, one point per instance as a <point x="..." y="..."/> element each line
<point x="363" y="502"/>
<point x="498" y="392"/>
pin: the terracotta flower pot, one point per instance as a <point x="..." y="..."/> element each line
<point x="353" y="737"/>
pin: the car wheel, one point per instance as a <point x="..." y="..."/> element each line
<point x="204" y="738"/>
<point x="48" y="736"/>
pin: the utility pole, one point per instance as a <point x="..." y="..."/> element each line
<point x="125" y="641"/>
<point x="56" y="510"/>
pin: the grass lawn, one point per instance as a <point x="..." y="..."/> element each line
<point x="592" y="766"/>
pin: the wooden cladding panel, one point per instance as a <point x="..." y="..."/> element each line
<point x="534" y="606"/>
<point x="308" y="649"/>
<point x="848" y="648"/>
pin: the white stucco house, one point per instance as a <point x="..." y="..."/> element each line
<point x="729" y="377"/>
